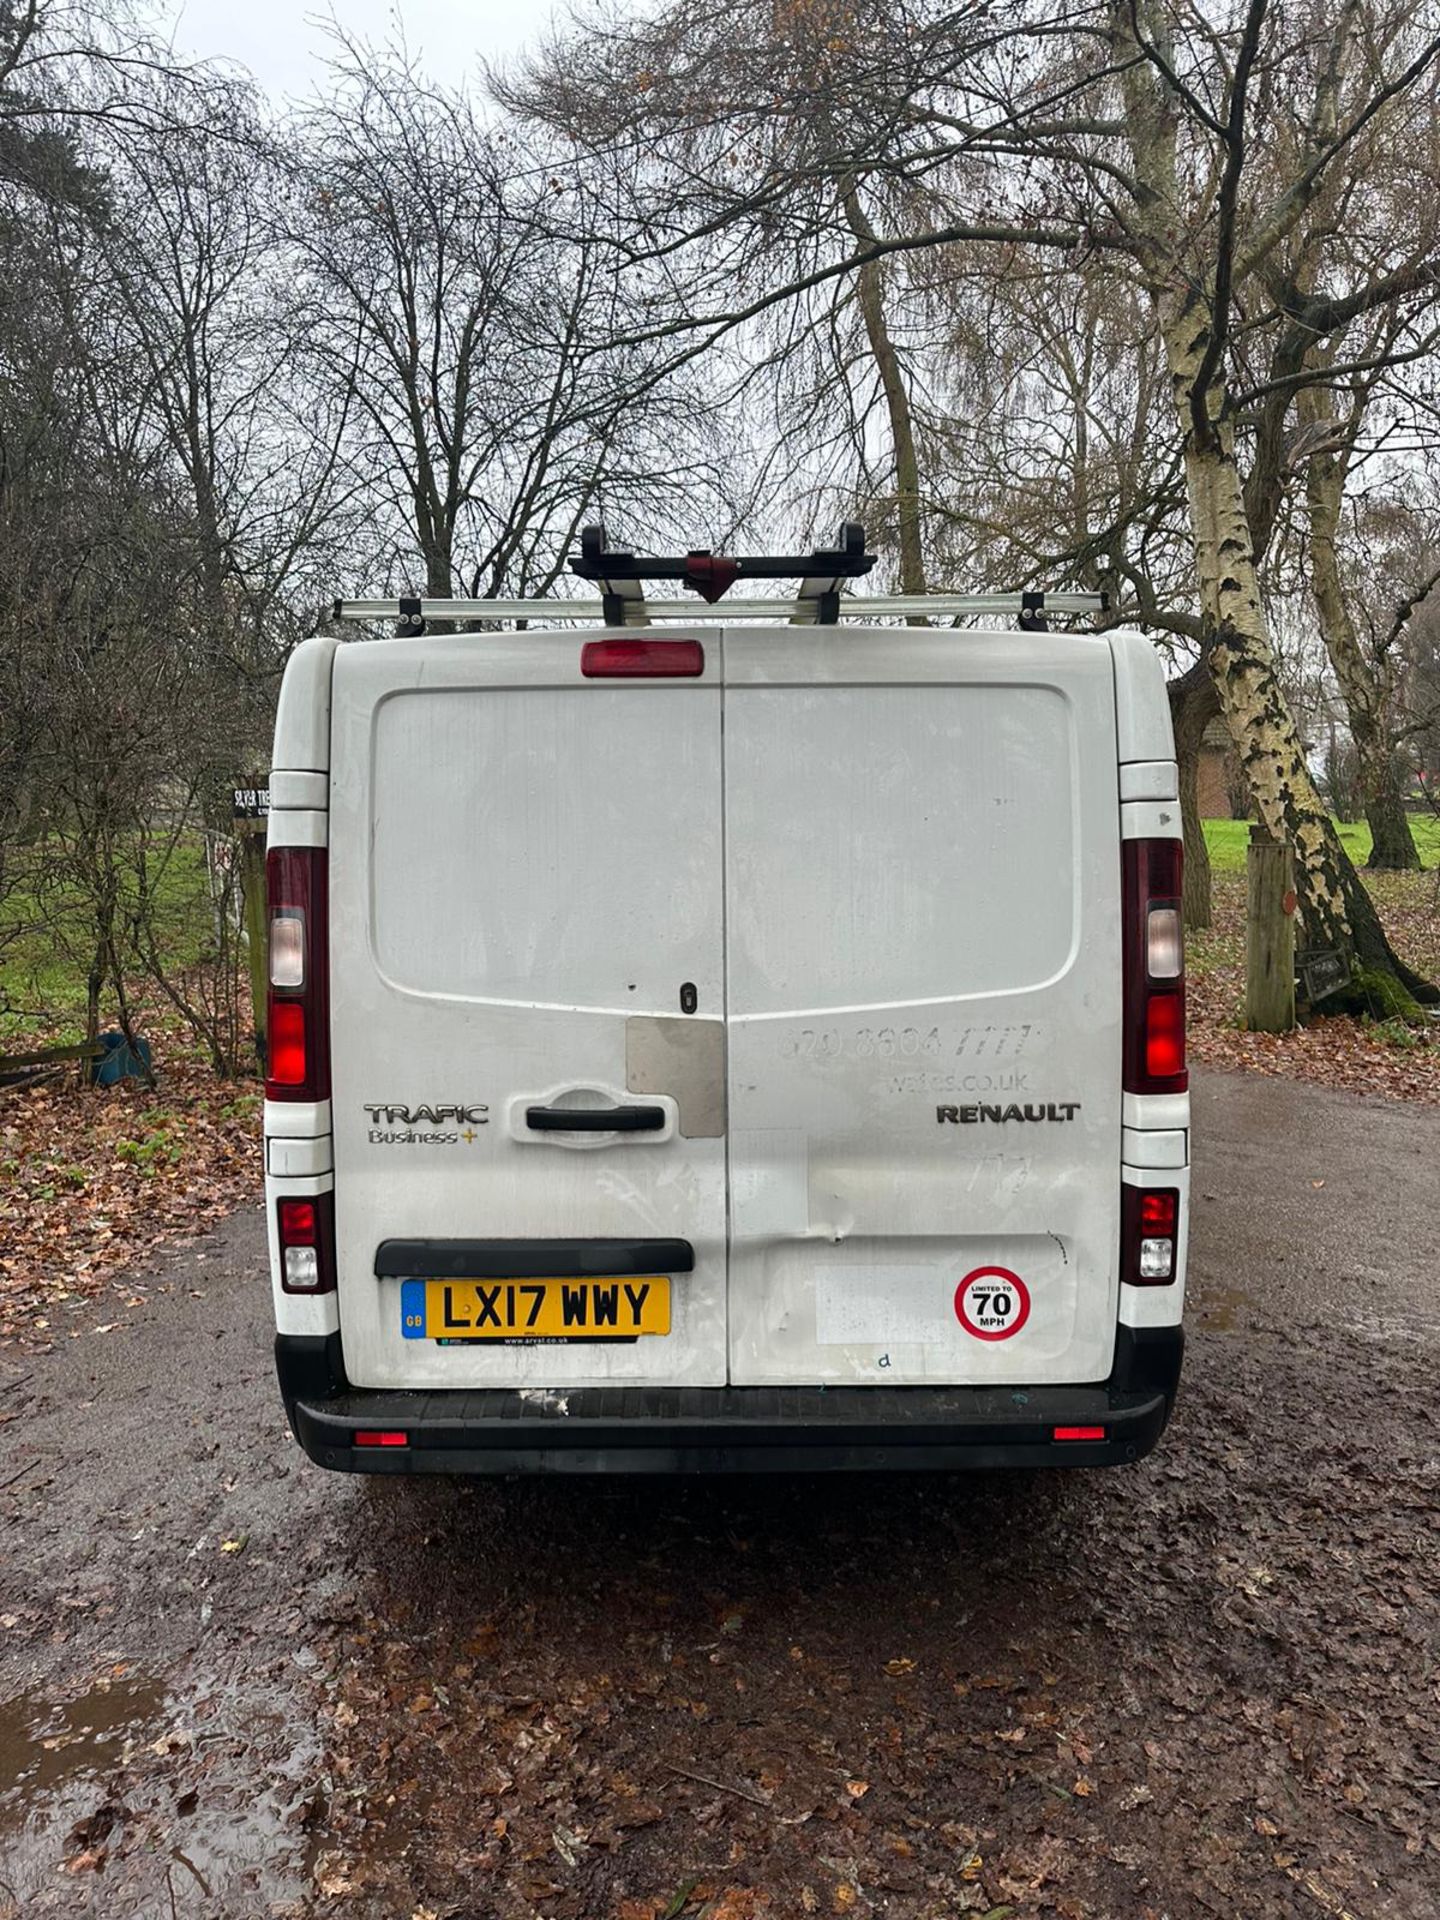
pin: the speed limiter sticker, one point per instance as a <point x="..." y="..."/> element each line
<point x="992" y="1303"/>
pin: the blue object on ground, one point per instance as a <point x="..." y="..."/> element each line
<point x="119" y="1061"/>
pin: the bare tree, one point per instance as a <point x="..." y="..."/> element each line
<point x="1172" y="120"/>
<point x="104" y="617"/>
<point x="200" y="282"/>
<point x="1138" y="130"/>
<point x="486" y="418"/>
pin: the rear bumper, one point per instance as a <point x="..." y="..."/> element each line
<point x="728" y="1429"/>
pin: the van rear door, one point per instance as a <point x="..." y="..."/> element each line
<point x="526" y="1016"/>
<point x="924" y="1000"/>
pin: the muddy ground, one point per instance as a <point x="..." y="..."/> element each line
<point x="1207" y="1685"/>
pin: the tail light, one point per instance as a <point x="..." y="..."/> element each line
<point x="305" y="1228"/>
<point x="1149" y="1229"/>
<point x="298" y="1004"/>
<point x="1154" y="959"/>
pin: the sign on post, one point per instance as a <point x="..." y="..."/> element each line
<point x="1322" y="971"/>
<point x="252" y="802"/>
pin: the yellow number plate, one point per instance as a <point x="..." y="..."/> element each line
<point x="535" y="1309"/>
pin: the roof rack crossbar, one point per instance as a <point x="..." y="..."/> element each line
<point x="871" y="607"/>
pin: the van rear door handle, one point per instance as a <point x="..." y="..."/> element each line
<point x="595" y="1119"/>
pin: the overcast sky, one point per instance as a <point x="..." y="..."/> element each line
<point x="283" y="44"/>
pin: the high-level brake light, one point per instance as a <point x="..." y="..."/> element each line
<point x="297" y="1006"/>
<point x="1154" y="964"/>
<point x="642" y="659"/>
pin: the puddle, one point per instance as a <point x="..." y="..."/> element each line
<point x="43" y="1746"/>
<point x="52" y="1761"/>
<point x="1226" y="1310"/>
<point x="131" y="1802"/>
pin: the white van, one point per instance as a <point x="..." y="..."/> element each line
<point x="725" y="1046"/>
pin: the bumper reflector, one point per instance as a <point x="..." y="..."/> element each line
<point x="367" y="1438"/>
<point x="1079" y="1433"/>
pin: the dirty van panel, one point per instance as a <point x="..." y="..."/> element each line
<point x="525" y="870"/>
<point x="924" y="998"/>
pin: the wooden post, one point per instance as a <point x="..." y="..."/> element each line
<point x="1269" y="934"/>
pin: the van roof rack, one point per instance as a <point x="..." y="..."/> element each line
<point x="621" y="576"/>
<point x="1029" y="611"/>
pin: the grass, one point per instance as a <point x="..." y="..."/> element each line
<point x="45" y="947"/>
<point x="1228" y="839"/>
<point x="1409" y="903"/>
<point x="1367" y="1055"/>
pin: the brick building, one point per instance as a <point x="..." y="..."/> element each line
<point x="1218" y="776"/>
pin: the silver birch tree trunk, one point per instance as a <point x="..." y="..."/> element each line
<point x="1336" y="911"/>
